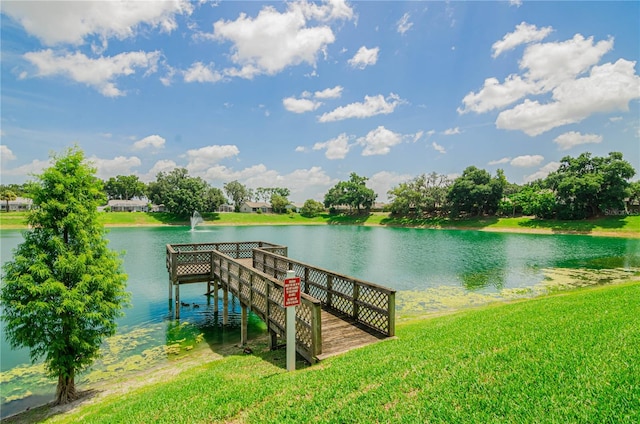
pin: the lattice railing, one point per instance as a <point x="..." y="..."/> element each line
<point x="367" y="303"/>
<point x="261" y="292"/>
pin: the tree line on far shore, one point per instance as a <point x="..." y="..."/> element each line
<point x="582" y="187"/>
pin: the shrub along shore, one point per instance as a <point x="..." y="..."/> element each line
<point x="566" y="357"/>
<point x="611" y="226"/>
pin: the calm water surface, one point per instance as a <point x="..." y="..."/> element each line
<point x="407" y="260"/>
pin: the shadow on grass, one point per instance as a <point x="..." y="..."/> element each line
<point x="166" y="218"/>
<point x="438" y="222"/>
<point x="578" y="227"/>
<point x="347" y="219"/>
<point x="173" y="219"/>
<point x="211" y="216"/>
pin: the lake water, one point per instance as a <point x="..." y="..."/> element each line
<point x="431" y="269"/>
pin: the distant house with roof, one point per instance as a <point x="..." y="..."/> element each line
<point x="254" y="207"/>
<point x="17" y="205"/>
<point x="226" y="208"/>
<point x="133" y="205"/>
<point x="294" y="207"/>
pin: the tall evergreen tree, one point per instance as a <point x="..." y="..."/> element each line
<point x="64" y="288"/>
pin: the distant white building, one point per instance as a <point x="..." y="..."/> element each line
<point x="249" y="207"/>
<point x="20" y="204"/>
<point x="129" y="205"/>
<point x="226" y="208"/>
<point x="295" y="207"/>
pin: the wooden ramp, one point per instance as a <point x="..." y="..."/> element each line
<point x="341" y="334"/>
<point x="337" y="312"/>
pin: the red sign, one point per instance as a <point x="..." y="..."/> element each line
<point x="291" y="292"/>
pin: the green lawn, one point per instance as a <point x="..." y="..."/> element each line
<point x="627" y="226"/>
<point x="571" y="357"/>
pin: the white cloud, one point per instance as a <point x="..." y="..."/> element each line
<point x="573" y="138"/>
<point x="527" y="161"/>
<point x="6" y="154"/>
<point x="300" y="105"/>
<point x="516" y="3"/>
<point x="301" y="149"/>
<point x="56" y="22"/>
<point x="499" y="161"/>
<point x="438" y="148"/>
<point x="452" y="131"/>
<point x="199" y="72"/>
<point x="615" y="118"/>
<point x="273" y="41"/>
<point x="417" y="136"/>
<point x="97" y="73"/>
<point x="302" y="182"/>
<point x="524" y="34"/>
<point x="551" y="64"/>
<point x="567" y="72"/>
<point x="383" y="181"/>
<point x="336" y="148"/>
<point x="167" y="79"/>
<point x="120" y="165"/>
<point x="494" y="95"/>
<point x="35" y="167"/>
<point x="403" y="25"/>
<point x="609" y="87"/>
<point x="372" y="105"/>
<point x="164" y="165"/>
<point x="203" y="158"/>
<point x="379" y="141"/>
<point x="329" y="93"/>
<point x="364" y="57"/>
<point x="546" y="66"/>
<point x="542" y="172"/>
<point x="154" y="141"/>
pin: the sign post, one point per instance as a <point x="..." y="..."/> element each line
<point x="291" y="300"/>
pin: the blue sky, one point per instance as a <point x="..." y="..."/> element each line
<point x="301" y="94"/>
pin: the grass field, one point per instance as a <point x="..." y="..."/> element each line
<point x="571" y="357"/>
<point x="625" y="226"/>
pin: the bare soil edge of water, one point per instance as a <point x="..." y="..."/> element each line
<point x="89" y="395"/>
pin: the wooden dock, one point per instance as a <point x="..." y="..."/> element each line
<point x="337" y="312"/>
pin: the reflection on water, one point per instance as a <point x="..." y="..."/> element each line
<point x="432" y="270"/>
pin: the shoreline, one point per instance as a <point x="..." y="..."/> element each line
<point x="203" y="355"/>
<point x="514" y="230"/>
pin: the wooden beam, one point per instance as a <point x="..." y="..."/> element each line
<point x="225" y="305"/>
<point x="243" y="324"/>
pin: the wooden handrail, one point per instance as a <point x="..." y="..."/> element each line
<point x="368" y="303"/>
<point x="256" y="289"/>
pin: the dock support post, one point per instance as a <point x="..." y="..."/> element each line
<point x="225" y="305"/>
<point x="177" y="301"/>
<point x="216" y="296"/>
<point x="243" y="324"/>
<point x="170" y="294"/>
<point x="273" y="339"/>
